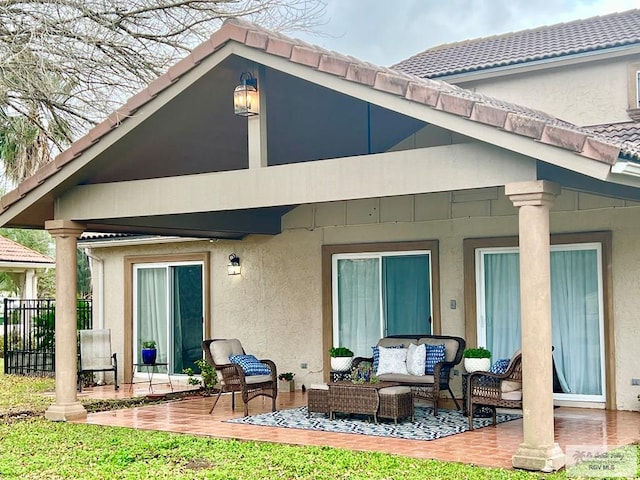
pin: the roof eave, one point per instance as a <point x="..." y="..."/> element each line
<point x="540" y="64"/>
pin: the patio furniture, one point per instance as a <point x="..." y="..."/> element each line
<point x="232" y="378"/>
<point x="150" y="369"/>
<point x="494" y="390"/>
<point x="362" y="398"/>
<point x="395" y="403"/>
<point x="95" y="354"/>
<point x="318" y="398"/>
<point x="428" y="386"/>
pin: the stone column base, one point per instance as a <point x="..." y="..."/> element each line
<point x="65" y="412"/>
<point x="542" y="459"/>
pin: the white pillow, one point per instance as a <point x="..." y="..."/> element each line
<point x="416" y="359"/>
<point x="392" y="360"/>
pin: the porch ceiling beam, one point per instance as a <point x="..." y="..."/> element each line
<point x="435" y="169"/>
<point x="455" y="123"/>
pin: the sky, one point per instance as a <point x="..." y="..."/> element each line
<point x="384" y="32"/>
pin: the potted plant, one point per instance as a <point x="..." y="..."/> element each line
<point x="149" y="352"/>
<point x="208" y="377"/>
<point x="285" y="382"/>
<point x="341" y="358"/>
<point x="476" y="359"/>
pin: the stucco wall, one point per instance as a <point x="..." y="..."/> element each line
<point x="584" y="94"/>
<point x="275" y="306"/>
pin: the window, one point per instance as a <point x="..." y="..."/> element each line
<point x="168" y="307"/>
<point x="380" y="293"/>
<point x="577" y="313"/>
<point x="633" y="91"/>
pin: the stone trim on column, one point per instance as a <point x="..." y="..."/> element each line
<point x="538" y="450"/>
<point x="66" y="406"/>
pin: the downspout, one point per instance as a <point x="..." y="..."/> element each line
<point x="96" y="265"/>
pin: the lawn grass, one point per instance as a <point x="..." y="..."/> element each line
<point x="41" y="449"/>
<point x="34" y="448"/>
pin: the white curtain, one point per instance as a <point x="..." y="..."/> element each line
<point x="359" y="304"/>
<point x="152" y="310"/>
<point x="502" y="303"/>
<point x="576" y="320"/>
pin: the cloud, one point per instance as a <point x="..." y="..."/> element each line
<point x="385" y="32"/>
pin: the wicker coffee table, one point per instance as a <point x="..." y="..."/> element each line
<point x="362" y="398"/>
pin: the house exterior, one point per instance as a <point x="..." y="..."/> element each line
<point x="361" y="201"/>
<point x="24" y="265"/>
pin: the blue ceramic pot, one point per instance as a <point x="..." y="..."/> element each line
<point x="149" y="356"/>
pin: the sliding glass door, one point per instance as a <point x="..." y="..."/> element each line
<point x="576" y="311"/>
<point x="378" y="294"/>
<point x="168" y="308"/>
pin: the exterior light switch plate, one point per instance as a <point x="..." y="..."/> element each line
<point x="452" y="304"/>
<point x="303" y="366"/>
<point x="635" y="381"/>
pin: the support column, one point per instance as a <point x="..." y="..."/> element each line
<point x="66" y="406"/>
<point x="538" y="450"/>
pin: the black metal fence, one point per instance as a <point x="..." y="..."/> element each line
<point x="29" y="334"/>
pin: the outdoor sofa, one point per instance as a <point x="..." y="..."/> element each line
<point x="427" y="386"/>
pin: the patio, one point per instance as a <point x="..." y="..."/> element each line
<point x="490" y="447"/>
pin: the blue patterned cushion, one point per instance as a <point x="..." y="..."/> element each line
<point x="435" y="354"/>
<point x="500" y="366"/>
<point x="250" y="365"/>
<point x="376" y="355"/>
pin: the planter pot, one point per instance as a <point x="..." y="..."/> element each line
<point x="341" y="364"/>
<point x="286" y="385"/>
<point x="149" y="356"/>
<point x="477" y="364"/>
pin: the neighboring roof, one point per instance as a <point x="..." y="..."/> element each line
<point x="435" y="94"/>
<point x="628" y="132"/>
<point x="580" y="36"/>
<point x="11" y="251"/>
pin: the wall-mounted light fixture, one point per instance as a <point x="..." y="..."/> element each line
<point x="233" y="267"/>
<point x="246" y="101"/>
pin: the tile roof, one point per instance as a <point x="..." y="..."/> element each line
<point x="11" y="251"/>
<point x="435" y="94"/>
<point x="619" y="132"/>
<point x="580" y="36"/>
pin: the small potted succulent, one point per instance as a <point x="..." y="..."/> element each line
<point x="341" y="358"/>
<point x="477" y="359"/>
<point x="149" y="352"/>
<point x="285" y="382"/>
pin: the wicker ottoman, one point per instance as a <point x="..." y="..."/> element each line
<point x="318" y="398"/>
<point x="395" y="402"/>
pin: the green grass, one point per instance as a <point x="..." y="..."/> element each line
<point x="40" y="449"/>
<point x="35" y="448"/>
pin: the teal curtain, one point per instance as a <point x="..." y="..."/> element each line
<point x="502" y="303"/>
<point x="575" y="310"/>
<point x="152" y="310"/>
<point x="187" y="316"/>
<point x="575" y="315"/>
<point x="406" y="294"/>
<point x="359" y="304"/>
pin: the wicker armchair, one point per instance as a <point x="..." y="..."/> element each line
<point x="231" y="377"/>
<point x="495" y="390"/>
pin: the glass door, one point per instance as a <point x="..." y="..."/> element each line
<point x="168" y="308"/>
<point x="576" y="311"/>
<point x="379" y="294"/>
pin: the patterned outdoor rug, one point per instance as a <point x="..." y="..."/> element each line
<point x="425" y="427"/>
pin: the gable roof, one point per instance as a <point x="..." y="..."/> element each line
<point x="580" y="36"/>
<point x="434" y="94"/>
<point x="13" y="252"/>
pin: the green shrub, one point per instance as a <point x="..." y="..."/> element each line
<point x="479" y="352"/>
